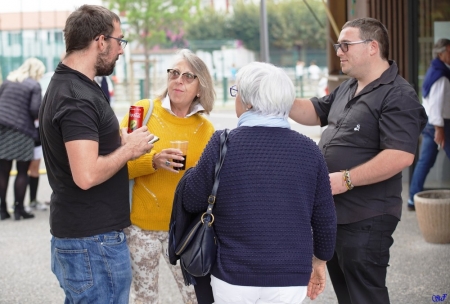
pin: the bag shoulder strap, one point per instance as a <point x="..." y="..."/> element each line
<point x="149" y="112"/>
<point x="222" y="151"/>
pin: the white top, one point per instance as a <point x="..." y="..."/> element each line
<point x="314" y="72"/>
<point x="166" y="105"/>
<point x="437" y="103"/>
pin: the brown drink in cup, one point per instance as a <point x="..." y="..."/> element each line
<point x="183" y="146"/>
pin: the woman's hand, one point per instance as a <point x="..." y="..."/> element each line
<point x="316" y="283"/>
<point x="164" y="159"/>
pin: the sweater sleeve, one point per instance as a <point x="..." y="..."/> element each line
<point x="323" y="219"/>
<point x="36" y="98"/>
<point x="200" y="181"/>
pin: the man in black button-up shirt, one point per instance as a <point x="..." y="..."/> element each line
<point x="374" y="121"/>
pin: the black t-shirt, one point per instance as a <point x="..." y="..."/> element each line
<point x="74" y="108"/>
<point x="386" y="114"/>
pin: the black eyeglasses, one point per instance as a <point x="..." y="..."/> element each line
<point x="233" y="91"/>
<point x="123" y="43"/>
<point x="175" y="74"/>
<point x="344" y="45"/>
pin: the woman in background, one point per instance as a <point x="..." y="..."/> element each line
<point x="20" y="98"/>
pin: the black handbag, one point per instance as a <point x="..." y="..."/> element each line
<point x="198" y="247"/>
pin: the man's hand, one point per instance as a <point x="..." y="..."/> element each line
<point x="316" y="283"/>
<point x="137" y="141"/>
<point x="337" y="183"/>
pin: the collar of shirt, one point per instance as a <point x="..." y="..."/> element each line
<point x="386" y="77"/>
<point x="195" y="109"/>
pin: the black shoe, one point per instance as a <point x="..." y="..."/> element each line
<point x="22" y="213"/>
<point x="4" y="215"/>
<point x="411" y="207"/>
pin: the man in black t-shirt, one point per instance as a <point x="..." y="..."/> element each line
<point x="86" y="154"/>
<point x="374" y="121"/>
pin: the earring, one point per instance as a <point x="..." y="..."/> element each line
<point x="198" y="95"/>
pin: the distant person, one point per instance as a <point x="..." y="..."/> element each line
<point x="233" y="72"/>
<point x="177" y="115"/>
<point x="33" y="174"/>
<point x="274" y="216"/>
<point x="314" y="73"/>
<point x="20" y="98"/>
<point x="436" y="100"/>
<point x="85" y="154"/>
<point x="299" y="70"/>
<point x="103" y="83"/>
<point x="374" y="121"/>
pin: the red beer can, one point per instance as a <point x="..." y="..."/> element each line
<point x="135" y="118"/>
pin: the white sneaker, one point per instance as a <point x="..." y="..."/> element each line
<point x="37" y="205"/>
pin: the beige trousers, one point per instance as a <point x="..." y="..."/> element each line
<point x="145" y="250"/>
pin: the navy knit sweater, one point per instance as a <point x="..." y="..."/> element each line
<point x="274" y="206"/>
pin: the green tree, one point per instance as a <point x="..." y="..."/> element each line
<point x="299" y="26"/>
<point x="290" y="24"/>
<point x="150" y="20"/>
<point x="244" y="24"/>
<point x="208" y="24"/>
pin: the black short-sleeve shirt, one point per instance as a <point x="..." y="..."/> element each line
<point x="74" y="108"/>
<point x="386" y="114"/>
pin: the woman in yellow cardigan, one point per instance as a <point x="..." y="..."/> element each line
<point x="176" y="116"/>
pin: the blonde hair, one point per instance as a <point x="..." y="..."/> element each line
<point x="31" y="68"/>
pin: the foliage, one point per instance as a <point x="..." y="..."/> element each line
<point x="298" y="26"/>
<point x="290" y="24"/>
<point x="208" y="24"/>
<point x="244" y="24"/>
<point x="152" y="22"/>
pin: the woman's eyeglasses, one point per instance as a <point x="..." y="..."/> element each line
<point x="175" y="74"/>
<point x="233" y="91"/>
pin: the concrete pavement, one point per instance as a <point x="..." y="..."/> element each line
<point x="418" y="270"/>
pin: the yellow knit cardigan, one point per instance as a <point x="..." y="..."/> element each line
<point x="154" y="190"/>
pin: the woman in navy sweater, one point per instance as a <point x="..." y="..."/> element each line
<point x="274" y="215"/>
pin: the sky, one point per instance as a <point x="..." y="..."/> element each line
<point x="42" y="5"/>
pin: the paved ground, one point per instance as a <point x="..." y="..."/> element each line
<point x="418" y="270"/>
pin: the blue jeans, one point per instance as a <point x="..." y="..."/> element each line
<point x="94" y="269"/>
<point x="428" y="154"/>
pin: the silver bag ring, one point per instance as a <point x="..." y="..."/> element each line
<point x="212" y="218"/>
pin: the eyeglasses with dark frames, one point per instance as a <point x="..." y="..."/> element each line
<point x="175" y="74"/>
<point x="233" y="91"/>
<point x="344" y="45"/>
<point x="123" y="43"/>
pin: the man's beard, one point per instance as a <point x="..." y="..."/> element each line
<point x="102" y="66"/>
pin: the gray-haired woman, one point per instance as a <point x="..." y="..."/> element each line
<point x="274" y="215"/>
<point x="20" y="98"/>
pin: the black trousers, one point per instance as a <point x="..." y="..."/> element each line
<point x="359" y="265"/>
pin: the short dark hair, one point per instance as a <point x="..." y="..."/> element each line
<point x="86" y="23"/>
<point x="370" y="28"/>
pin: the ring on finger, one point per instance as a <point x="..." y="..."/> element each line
<point x="167" y="163"/>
